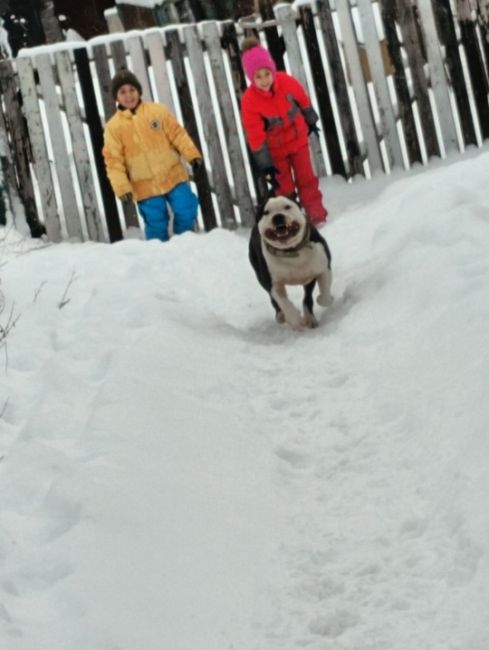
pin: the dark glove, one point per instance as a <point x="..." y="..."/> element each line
<point x="196" y="164"/>
<point x="270" y="174"/>
<point x="313" y="128"/>
<point x="126" y="198"/>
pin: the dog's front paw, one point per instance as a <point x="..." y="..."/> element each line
<point x="325" y="299"/>
<point x="310" y="320"/>
<point x="279" y="317"/>
<point x="298" y="322"/>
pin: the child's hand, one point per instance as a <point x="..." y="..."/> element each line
<point x="126" y="198"/>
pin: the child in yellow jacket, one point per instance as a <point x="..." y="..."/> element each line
<point x="143" y="145"/>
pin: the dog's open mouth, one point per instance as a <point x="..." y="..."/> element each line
<point x="283" y="231"/>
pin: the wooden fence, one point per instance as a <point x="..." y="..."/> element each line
<point x="395" y="83"/>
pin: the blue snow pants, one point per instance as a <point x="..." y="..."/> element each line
<point x="154" y="211"/>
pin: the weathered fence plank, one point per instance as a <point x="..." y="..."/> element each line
<point x="8" y="191"/>
<point x="230" y="43"/>
<point x="7" y="166"/>
<point x="448" y="37"/>
<point x="39" y="148"/>
<point x="118" y="52"/>
<point x="20" y="145"/>
<point x="482" y="18"/>
<point x="100" y="57"/>
<point x="101" y="61"/>
<point x="61" y="160"/>
<point x="415" y="51"/>
<point x="80" y="151"/>
<point x="388" y="122"/>
<point x="322" y="93"/>
<point x="350" y="47"/>
<point x="139" y="64"/>
<point x="286" y="19"/>
<point x="156" y="48"/>
<point x="212" y="40"/>
<point x="275" y="42"/>
<point x="200" y="175"/>
<point x="97" y="138"/>
<point x="209" y="125"/>
<point x="475" y="63"/>
<point x="437" y="75"/>
<point x="406" y="114"/>
<point x="350" y="136"/>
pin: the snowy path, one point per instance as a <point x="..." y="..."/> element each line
<point x="179" y="472"/>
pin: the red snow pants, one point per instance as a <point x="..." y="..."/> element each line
<point x="295" y="171"/>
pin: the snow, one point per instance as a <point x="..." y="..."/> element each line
<point x="180" y="472"/>
<point x="148" y="4"/>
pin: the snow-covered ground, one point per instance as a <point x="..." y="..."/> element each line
<point x="179" y="472"/>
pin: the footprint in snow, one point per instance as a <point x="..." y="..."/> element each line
<point x="334" y="624"/>
<point x="294" y="458"/>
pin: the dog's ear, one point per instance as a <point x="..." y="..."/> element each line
<point x="260" y="208"/>
<point x="295" y="199"/>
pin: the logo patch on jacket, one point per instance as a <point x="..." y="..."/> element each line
<point x="155" y="124"/>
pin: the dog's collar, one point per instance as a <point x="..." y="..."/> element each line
<point x="294" y="251"/>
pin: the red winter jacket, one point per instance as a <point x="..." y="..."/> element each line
<point x="276" y="121"/>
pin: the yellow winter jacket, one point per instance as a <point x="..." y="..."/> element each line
<point x="142" y="151"/>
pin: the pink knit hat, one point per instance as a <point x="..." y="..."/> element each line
<point x="255" y="58"/>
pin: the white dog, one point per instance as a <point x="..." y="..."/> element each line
<point x="285" y="249"/>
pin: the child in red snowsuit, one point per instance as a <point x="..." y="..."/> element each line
<point x="277" y="117"/>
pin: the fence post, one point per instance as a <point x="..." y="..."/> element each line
<point x="200" y="175"/>
<point x="58" y="142"/>
<point x="97" y="137"/>
<point x="139" y="64"/>
<point x="475" y="63"/>
<point x="285" y="17"/>
<point x="406" y="114"/>
<point x="157" y="55"/>
<point x="379" y="74"/>
<point x="20" y="179"/>
<point x="322" y="93"/>
<point x="209" y="125"/>
<point x="482" y="17"/>
<point x="39" y="148"/>
<point x="446" y="30"/>
<point x="230" y="43"/>
<point x="354" y="65"/>
<point x="5" y="172"/>
<point x="100" y="58"/>
<point x="118" y="53"/>
<point x="348" y="130"/>
<point x="80" y="150"/>
<point x="275" y="43"/>
<point x="415" y="50"/>
<point x="437" y="75"/>
<point x="212" y="40"/>
<point x="113" y="20"/>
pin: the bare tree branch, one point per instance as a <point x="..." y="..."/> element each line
<point x="38" y="290"/>
<point x="5" y="330"/>
<point x="64" y="300"/>
<point x="2" y="412"/>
